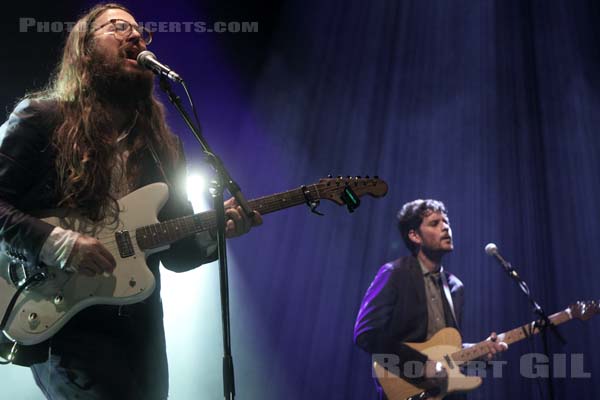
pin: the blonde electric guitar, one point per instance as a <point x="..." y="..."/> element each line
<point x="54" y="295"/>
<point x="445" y="346"/>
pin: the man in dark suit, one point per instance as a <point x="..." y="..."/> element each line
<point x="412" y="298"/>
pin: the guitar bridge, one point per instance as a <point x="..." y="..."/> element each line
<point x="124" y="244"/>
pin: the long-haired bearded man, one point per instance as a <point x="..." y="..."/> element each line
<point x="95" y="134"/>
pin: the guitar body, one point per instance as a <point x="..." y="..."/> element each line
<point x="439" y="348"/>
<point x="46" y="306"/>
<point x="445" y="347"/>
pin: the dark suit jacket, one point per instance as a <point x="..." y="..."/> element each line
<point x="394" y="310"/>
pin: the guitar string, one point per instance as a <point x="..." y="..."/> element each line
<point x="204" y="225"/>
<point x="265" y="202"/>
<point x="111" y="243"/>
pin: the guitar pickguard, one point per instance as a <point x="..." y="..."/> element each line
<point x="47" y="305"/>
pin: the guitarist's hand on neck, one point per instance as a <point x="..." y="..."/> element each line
<point x="494" y="346"/>
<point x="238" y="223"/>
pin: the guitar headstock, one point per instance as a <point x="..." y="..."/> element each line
<point x="585" y="310"/>
<point x="341" y="190"/>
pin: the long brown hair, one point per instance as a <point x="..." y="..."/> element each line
<point x="85" y="140"/>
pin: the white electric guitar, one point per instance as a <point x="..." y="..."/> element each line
<point x="445" y="346"/>
<point x="55" y="296"/>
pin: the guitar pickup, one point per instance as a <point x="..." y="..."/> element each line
<point x="449" y="361"/>
<point x="124" y="244"/>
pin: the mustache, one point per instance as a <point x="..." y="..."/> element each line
<point x="108" y="79"/>
<point x="127" y="50"/>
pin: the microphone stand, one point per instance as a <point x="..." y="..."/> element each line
<point x="542" y="324"/>
<point x="224" y="181"/>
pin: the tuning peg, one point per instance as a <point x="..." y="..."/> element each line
<point x="340" y="177"/>
<point x="357" y="176"/>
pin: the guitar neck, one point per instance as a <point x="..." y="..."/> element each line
<point x="165" y="233"/>
<point x="523" y="332"/>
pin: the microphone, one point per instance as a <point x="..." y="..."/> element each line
<point x="492" y="250"/>
<point x="147" y="59"/>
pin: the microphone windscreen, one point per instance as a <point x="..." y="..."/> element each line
<point x="491" y="249"/>
<point x="143" y="56"/>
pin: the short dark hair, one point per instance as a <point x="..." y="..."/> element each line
<point x="411" y="216"/>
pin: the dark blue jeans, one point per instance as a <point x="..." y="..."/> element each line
<point x="94" y="367"/>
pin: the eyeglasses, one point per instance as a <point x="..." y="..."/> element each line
<point x="123" y="29"/>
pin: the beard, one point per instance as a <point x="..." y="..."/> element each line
<point x="120" y="86"/>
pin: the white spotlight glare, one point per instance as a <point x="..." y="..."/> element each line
<point x="196" y="191"/>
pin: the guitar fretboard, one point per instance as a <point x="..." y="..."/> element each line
<point x="165" y="233"/>
<point x="480" y="349"/>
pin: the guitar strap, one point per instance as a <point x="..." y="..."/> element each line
<point x="448" y="294"/>
<point x="159" y="165"/>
